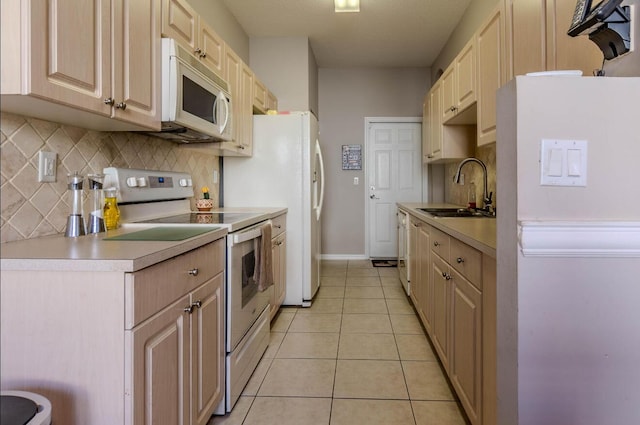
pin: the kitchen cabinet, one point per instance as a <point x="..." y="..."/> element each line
<point x="120" y="347"/>
<point x="538" y="41"/>
<point x="279" y="260"/>
<point x="272" y="101"/>
<point x="453" y="290"/>
<point x="459" y="87"/>
<point x="245" y="136"/>
<point x="259" y="96"/>
<point x="491" y="73"/>
<point x="86" y="64"/>
<point x="447" y="142"/>
<point x="181" y="22"/>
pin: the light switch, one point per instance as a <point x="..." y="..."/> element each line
<point x="563" y="162"/>
<point x="574" y="162"/>
<point x="555" y="163"/>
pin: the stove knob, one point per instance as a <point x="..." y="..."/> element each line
<point x="132" y="182"/>
<point x="142" y="182"/>
<point x="183" y="182"/>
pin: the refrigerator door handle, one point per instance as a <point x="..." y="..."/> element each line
<point x="320" y="160"/>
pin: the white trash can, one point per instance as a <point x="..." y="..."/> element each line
<point x="24" y="408"/>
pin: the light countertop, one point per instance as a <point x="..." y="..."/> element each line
<point x="479" y="233"/>
<point x="92" y="253"/>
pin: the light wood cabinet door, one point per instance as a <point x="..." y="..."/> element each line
<point x="207" y="349"/>
<point x="491" y="74"/>
<point x="426" y="128"/>
<point x="137" y="62"/>
<point x="538" y="41"/>
<point x="212" y="48"/>
<point x="449" y="99"/>
<point x="466" y="345"/>
<point x="435" y="122"/>
<point x="180" y="22"/>
<point x="466" y="76"/>
<point x="414" y="276"/>
<point x="160" y="353"/>
<point x="425" y="294"/>
<point x="272" y="101"/>
<point x="233" y="65"/>
<point x="259" y="96"/>
<point x="564" y="51"/>
<point x="441" y="278"/>
<point x="70" y="53"/>
<point x="246" y="112"/>
<point x="279" y="265"/>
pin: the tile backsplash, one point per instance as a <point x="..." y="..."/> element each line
<point x="458" y="194"/>
<point x="30" y="209"/>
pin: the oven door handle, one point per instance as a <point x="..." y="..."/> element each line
<point x="246" y="236"/>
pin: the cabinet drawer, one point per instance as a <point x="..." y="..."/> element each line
<point x="440" y="243"/>
<point x="467" y="261"/>
<point x="149" y="290"/>
<point x="278" y="225"/>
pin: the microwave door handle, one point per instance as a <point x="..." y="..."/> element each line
<point x="214" y="110"/>
<point x="226" y="112"/>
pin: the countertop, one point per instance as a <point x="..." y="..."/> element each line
<point x="92" y="253"/>
<point x="479" y="233"/>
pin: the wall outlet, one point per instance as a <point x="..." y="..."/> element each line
<point x="356" y="181"/>
<point x="47" y="165"/>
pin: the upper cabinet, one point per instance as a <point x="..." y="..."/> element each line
<point x="69" y="58"/>
<point x="181" y="22"/>
<point x="538" y="40"/>
<point x="490" y="40"/>
<point x="459" y="87"/>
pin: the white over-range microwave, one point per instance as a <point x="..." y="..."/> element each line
<point x="196" y="103"/>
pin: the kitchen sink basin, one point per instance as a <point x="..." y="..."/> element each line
<point x="455" y="213"/>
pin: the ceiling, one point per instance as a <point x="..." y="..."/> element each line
<point x="385" y="33"/>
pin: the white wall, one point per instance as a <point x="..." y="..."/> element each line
<point x="346" y="97"/>
<point x="568" y="336"/>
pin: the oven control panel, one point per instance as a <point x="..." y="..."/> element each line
<point x="135" y="185"/>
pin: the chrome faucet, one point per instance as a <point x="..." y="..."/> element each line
<point x="486" y="196"/>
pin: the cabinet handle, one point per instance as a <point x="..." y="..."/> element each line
<point x="109" y="101"/>
<point x="430" y="156"/>
<point x="188" y="309"/>
<point x="277" y="226"/>
<point x="197" y="50"/>
<point x="203" y="55"/>
<point x="193" y="272"/>
<point x="460" y="260"/>
<point x="121" y="105"/>
<point x="197" y="304"/>
<point x="446" y="276"/>
<point x="436" y="243"/>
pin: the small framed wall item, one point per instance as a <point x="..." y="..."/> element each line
<point x="352" y="157"/>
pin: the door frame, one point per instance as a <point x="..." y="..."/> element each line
<point x="368" y="121"/>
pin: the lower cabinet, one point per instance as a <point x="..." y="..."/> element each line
<point x="132" y="348"/>
<point x="447" y="282"/>
<point x="279" y="264"/>
<point x="178" y="359"/>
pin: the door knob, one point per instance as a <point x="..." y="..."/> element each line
<point x="373" y="196"/>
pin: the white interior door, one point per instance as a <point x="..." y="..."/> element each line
<point x="394" y="174"/>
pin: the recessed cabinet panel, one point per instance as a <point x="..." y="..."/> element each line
<point x="383" y="170"/>
<point x="71" y="57"/>
<point x="180" y="21"/>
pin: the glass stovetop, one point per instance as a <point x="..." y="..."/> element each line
<point x="202" y="218"/>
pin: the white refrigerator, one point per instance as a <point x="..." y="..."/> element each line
<point x="286" y="170"/>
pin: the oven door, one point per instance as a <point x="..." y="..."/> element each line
<point x="245" y="301"/>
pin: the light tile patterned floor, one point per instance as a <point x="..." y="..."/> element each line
<point x="358" y="355"/>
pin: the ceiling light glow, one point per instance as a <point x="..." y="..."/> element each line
<point x="347" y="6"/>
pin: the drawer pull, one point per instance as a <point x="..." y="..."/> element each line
<point x="446" y="276"/>
<point x="460" y="260"/>
<point x="436" y="243"/>
<point x="197" y="304"/>
<point x="193" y="272"/>
<point x="277" y="226"/>
<point x="188" y="309"/>
<point x="121" y="105"/>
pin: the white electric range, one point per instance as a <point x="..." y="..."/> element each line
<point x="152" y="198"/>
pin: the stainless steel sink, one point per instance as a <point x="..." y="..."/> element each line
<point x="455" y="212"/>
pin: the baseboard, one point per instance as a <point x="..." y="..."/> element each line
<point x="343" y="257"/>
